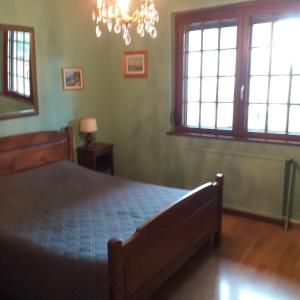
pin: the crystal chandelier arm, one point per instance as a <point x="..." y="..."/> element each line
<point x="115" y="16"/>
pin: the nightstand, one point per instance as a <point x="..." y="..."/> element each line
<point x="99" y="157"/>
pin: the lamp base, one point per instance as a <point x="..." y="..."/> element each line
<point x="89" y="141"/>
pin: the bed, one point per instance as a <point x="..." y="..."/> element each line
<point x="67" y="232"/>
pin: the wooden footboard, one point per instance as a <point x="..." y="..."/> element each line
<point x="139" y="265"/>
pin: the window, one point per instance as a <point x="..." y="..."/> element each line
<point x="210" y="56"/>
<point x="17" y="59"/>
<point x="237" y="71"/>
<point x="274" y="76"/>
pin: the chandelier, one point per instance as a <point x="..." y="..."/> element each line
<point x="114" y="14"/>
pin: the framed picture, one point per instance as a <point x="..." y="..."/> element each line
<point x="135" y="64"/>
<point x="72" y="78"/>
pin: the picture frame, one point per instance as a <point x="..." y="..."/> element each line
<point x="135" y="64"/>
<point x="72" y="78"/>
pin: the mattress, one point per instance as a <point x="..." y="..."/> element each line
<point x="55" y="222"/>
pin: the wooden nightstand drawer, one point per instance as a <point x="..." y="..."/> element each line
<point x="99" y="157"/>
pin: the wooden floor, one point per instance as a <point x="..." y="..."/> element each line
<point x="257" y="261"/>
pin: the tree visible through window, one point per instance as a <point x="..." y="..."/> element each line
<point x="237" y="71"/>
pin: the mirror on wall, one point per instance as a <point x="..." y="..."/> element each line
<point x="18" y="86"/>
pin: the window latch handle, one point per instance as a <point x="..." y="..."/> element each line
<point x="242" y="92"/>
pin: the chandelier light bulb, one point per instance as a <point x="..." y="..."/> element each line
<point x="114" y="14"/>
<point x="124" y="6"/>
<point x="99" y="3"/>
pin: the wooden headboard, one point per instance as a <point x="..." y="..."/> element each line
<point x="31" y="150"/>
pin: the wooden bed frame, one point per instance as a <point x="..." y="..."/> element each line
<point x="159" y="247"/>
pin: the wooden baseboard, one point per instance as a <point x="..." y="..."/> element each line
<point x="248" y="215"/>
<point x="295" y="224"/>
<point x="266" y="219"/>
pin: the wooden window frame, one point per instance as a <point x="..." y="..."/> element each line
<point x="243" y="13"/>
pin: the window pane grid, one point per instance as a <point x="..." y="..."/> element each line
<point x="268" y="67"/>
<point x="208" y="75"/>
<point x="269" y="74"/>
<point x="201" y="82"/>
<point x="18" y="62"/>
<point x="280" y="84"/>
<point x="294" y="125"/>
<point x="289" y="100"/>
<point x="218" y="74"/>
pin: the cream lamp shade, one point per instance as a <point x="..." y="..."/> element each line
<point x="88" y="125"/>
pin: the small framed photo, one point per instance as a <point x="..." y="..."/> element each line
<point x="135" y="64"/>
<point x="72" y="78"/>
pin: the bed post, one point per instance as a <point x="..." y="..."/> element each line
<point x="69" y="131"/>
<point x="217" y="237"/>
<point x="116" y="270"/>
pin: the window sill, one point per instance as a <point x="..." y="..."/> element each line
<point x="231" y="138"/>
<point x="17" y="97"/>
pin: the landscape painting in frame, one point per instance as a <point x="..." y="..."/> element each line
<point x="135" y="64"/>
<point x="72" y="78"/>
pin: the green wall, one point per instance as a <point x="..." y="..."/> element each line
<point x="134" y="114"/>
<point x="64" y="37"/>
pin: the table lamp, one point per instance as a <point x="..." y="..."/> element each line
<point x="88" y="125"/>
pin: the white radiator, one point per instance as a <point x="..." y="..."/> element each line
<point x="253" y="183"/>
